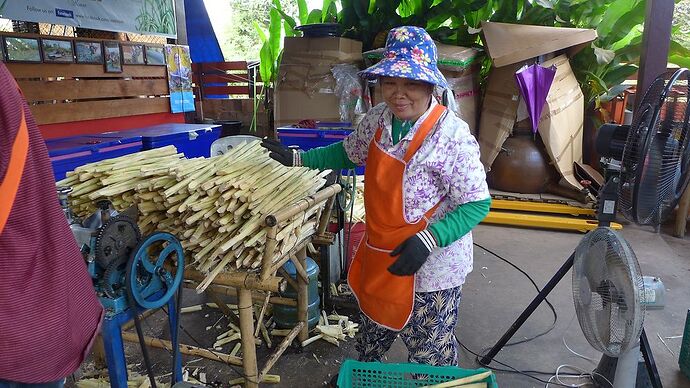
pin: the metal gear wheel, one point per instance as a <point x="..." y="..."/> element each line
<point x="116" y="238"/>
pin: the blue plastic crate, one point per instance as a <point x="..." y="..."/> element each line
<point x="68" y="153"/>
<point x="308" y="138"/>
<point x="194" y="140"/>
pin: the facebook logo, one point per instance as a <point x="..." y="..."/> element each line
<point x="64" y="13"/>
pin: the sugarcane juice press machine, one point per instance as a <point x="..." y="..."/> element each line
<point x="130" y="275"/>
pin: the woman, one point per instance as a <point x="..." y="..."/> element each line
<point x="425" y="189"/>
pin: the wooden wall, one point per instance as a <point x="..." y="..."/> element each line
<point x="64" y="93"/>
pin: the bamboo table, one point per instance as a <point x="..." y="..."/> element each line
<point x="269" y="281"/>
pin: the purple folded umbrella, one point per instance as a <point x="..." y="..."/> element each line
<point x="534" y="82"/>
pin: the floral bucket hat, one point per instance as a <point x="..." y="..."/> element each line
<point x="410" y="53"/>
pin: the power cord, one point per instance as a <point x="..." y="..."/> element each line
<point x="536" y="287"/>
<point x="528" y="373"/>
<point x="583" y="374"/>
<point x="512" y="369"/>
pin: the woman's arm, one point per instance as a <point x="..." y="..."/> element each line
<point x="459" y="222"/>
<point x="329" y="157"/>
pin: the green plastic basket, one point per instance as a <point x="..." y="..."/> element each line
<point x="684" y="358"/>
<point x="356" y="374"/>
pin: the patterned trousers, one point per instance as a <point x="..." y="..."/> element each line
<point x="429" y="335"/>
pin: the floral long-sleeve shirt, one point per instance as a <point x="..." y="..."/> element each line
<point x="445" y="169"/>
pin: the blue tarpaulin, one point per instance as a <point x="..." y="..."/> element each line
<point x="203" y="43"/>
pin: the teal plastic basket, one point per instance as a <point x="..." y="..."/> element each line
<point x="356" y="374"/>
<point x="684" y="358"/>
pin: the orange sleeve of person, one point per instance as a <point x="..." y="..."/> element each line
<point x="15" y="169"/>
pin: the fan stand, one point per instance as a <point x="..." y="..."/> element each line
<point x="608" y="200"/>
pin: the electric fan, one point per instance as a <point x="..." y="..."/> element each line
<point x="653" y="160"/>
<point x="647" y="171"/>
<point x="608" y="291"/>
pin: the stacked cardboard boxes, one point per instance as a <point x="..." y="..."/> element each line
<point x="305" y="87"/>
<point x="511" y="46"/>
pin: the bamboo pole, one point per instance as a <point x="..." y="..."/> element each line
<point x="302" y="205"/>
<point x="280" y="349"/>
<point x="185" y="349"/>
<point x="302" y="297"/>
<point x="240" y="280"/>
<point x="269" y="252"/>
<point x="299" y="268"/>
<point x="260" y="318"/>
<point x="245" y="306"/>
<point x="292" y="282"/>
<point x="282" y="259"/>
<point x="325" y="216"/>
<point x="255" y="297"/>
<point x="222" y="306"/>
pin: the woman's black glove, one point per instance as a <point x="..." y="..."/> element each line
<point x="413" y="253"/>
<point x="286" y="156"/>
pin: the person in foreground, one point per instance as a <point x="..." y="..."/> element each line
<point x="425" y="190"/>
<point x="49" y="313"/>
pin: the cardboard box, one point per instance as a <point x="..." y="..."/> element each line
<point x="561" y="124"/>
<point x="510" y="43"/>
<point x="465" y="87"/>
<point x="305" y="85"/>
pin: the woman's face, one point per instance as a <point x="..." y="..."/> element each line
<point x="408" y="99"/>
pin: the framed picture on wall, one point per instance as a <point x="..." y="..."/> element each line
<point x="22" y="49"/>
<point x="113" y="57"/>
<point x="89" y="52"/>
<point x="155" y="55"/>
<point x="57" y="51"/>
<point x="133" y="54"/>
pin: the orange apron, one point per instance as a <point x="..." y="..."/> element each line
<point x="386" y="298"/>
<point x="15" y="169"/>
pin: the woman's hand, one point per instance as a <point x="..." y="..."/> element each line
<point x="413" y="254"/>
<point x="286" y="156"/>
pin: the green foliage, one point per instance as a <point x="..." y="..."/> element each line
<point x="600" y="67"/>
<point x="239" y="39"/>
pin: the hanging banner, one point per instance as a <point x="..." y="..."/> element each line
<point x="179" y="64"/>
<point x="149" y="17"/>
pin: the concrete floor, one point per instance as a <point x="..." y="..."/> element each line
<point x="493" y="297"/>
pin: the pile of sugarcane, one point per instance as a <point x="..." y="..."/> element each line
<point x="216" y="206"/>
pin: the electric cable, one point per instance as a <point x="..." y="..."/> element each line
<point x="536" y="287"/>
<point x="528" y="373"/>
<point x="583" y="374"/>
<point x="344" y="208"/>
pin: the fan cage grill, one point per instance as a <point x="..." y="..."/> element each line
<point x="607" y="291"/>
<point x="652" y="182"/>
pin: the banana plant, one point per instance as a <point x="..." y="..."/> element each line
<point x="602" y="67"/>
<point x="269" y="55"/>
